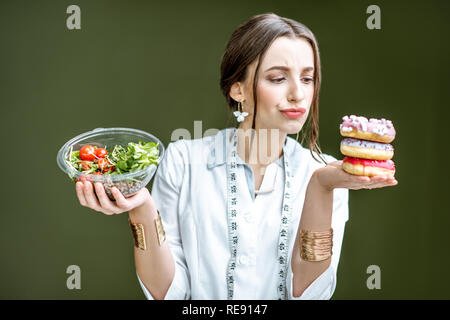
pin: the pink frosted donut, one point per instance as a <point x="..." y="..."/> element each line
<point x="372" y="130"/>
<point x="370" y="168"/>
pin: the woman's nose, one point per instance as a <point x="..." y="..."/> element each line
<point x="296" y="92"/>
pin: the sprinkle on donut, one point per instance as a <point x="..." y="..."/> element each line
<point x="380" y="127"/>
<point x="367" y="145"/>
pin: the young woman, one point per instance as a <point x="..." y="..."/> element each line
<point x="248" y="213"/>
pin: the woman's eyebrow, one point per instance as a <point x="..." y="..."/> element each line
<point x="284" y="68"/>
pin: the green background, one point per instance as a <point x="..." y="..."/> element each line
<point x="155" y="67"/>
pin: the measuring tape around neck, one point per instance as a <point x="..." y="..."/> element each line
<point x="232" y="212"/>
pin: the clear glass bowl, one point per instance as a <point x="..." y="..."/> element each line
<point x="128" y="183"/>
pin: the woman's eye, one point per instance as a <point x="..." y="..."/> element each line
<point x="308" y="80"/>
<point x="277" y="80"/>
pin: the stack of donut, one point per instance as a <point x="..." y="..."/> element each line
<point x="367" y="146"/>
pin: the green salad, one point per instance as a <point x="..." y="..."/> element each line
<point x="117" y="160"/>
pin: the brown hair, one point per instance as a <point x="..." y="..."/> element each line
<point x="250" y="41"/>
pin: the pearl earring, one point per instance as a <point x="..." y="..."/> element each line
<point x="240" y="116"/>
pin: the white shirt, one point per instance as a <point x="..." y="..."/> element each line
<point x="190" y="192"/>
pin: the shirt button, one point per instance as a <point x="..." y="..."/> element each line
<point x="243" y="260"/>
<point x="249" y="218"/>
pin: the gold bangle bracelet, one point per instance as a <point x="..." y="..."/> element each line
<point x="138" y="234"/>
<point x="160" y="230"/>
<point x="316" y="245"/>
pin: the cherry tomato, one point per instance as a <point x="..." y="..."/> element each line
<point x="101" y="152"/>
<point x="85" y="165"/>
<point x="87" y="153"/>
<point x="102" y="164"/>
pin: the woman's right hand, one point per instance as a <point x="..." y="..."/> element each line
<point x="333" y="176"/>
<point x="101" y="202"/>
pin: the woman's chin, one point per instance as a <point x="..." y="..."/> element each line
<point x="293" y="127"/>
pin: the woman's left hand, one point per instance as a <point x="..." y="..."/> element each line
<point x="333" y="176"/>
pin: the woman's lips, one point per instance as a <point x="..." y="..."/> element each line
<point x="293" y="113"/>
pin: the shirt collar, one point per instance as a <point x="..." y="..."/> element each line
<point x="217" y="155"/>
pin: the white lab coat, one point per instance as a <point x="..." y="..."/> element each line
<point x="190" y="192"/>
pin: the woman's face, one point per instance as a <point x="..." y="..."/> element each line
<point x="285" y="81"/>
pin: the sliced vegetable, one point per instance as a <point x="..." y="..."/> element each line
<point x="102" y="164"/>
<point x="109" y="169"/>
<point x="85" y="165"/>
